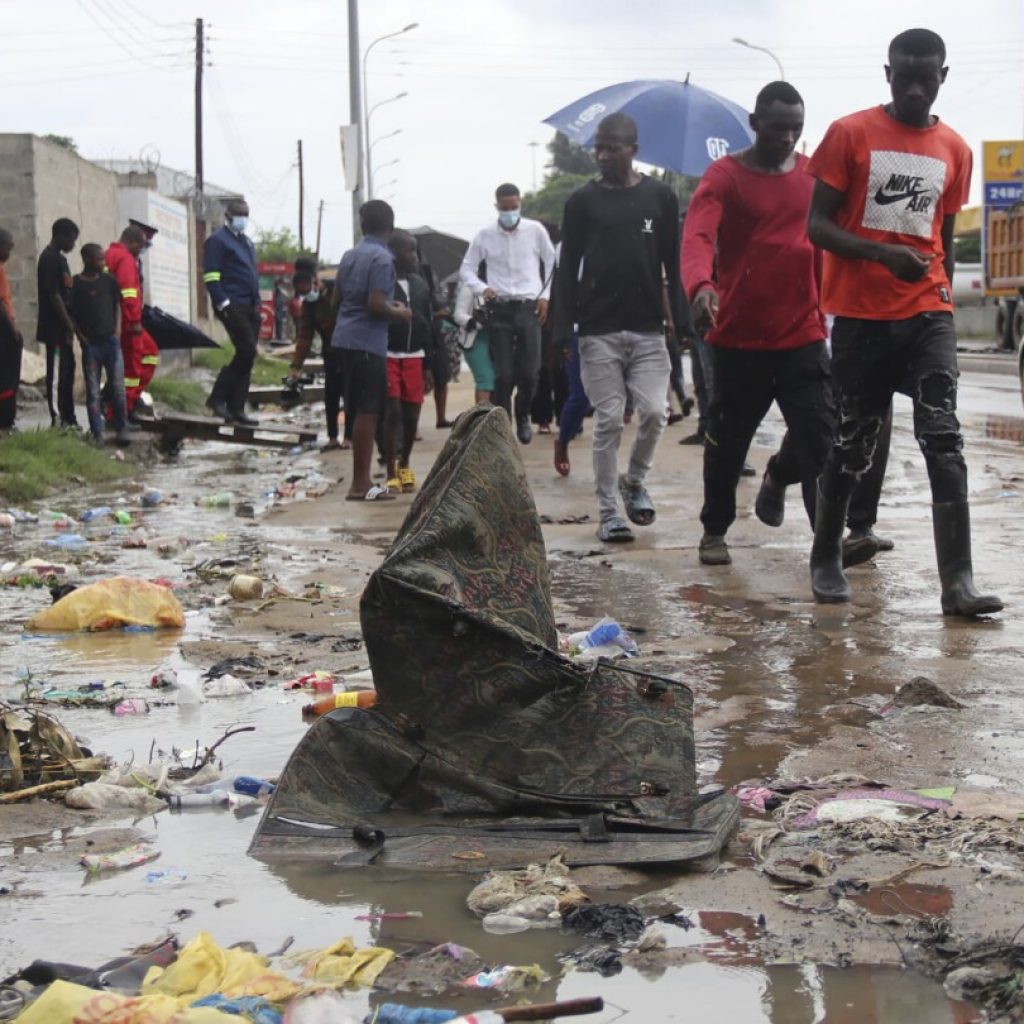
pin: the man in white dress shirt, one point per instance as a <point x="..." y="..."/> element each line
<point x="520" y="262"/>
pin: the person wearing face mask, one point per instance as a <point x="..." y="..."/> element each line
<point x="318" y="317"/>
<point x="231" y="278"/>
<point x="520" y="261"/>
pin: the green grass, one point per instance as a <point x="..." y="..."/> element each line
<point x="267" y="371"/>
<point x="36" y="462"/>
<point x="172" y="392"/>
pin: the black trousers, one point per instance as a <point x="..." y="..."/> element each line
<point x="333" y="386"/>
<point x="745" y="385"/>
<point x="701" y="371"/>
<point x="10" y="374"/>
<point x="871" y="361"/>
<point x="62" y="356"/>
<point x="515" y="352"/>
<point x="232" y="384"/>
<point x="862" y="512"/>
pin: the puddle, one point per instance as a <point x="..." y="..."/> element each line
<point x="906" y="899"/>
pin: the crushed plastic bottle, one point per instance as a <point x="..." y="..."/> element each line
<point x="67" y="540"/>
<point x="249" y="785"/>
<point x="605" y="638"/>
<point x="166" y="876"/>
<point x="103" y="512"/>
<point x="220" y="500"/>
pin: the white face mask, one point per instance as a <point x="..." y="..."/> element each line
<point x="239" y="224"/>
<point x="508" y="218"/>
<point x="313" y="296"/>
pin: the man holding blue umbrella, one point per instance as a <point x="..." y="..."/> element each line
<point x="620" y="240"/>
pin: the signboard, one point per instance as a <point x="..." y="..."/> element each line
<point x="1002" y="188"/>
<point x="270" y="273"/>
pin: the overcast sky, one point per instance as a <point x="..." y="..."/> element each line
<point x="117" y="76"/>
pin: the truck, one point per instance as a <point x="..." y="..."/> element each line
<point x="1004" y="259"/>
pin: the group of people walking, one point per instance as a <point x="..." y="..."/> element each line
<point x="774" y="243"/>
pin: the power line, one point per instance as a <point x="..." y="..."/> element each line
<point x="115" y="39"/>
<point x="122" y="25"/>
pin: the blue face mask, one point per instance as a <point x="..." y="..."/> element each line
<point x="239" y="224"/>
<point x="508" y="218"/>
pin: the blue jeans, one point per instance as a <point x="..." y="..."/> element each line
<point x="577" y="405"/>
<point x="99" y="355"/>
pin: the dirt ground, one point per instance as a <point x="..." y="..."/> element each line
<point x="782" y="689"/>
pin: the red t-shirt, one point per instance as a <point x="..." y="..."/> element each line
<point x="899" y="183"/>
<point x="746" y="237"/>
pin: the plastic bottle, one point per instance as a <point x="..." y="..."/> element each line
<point x="123" y="517"/>
<point x="152" y="498"/>
<point x="606" y="631"/>
<point x="251" y="786"/>
<point x="95" y="513"/>
<point x="222" y="499"/>
<point x="348" y="699"/>
<point x="215" y="798"/>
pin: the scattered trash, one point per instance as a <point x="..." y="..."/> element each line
<point x="246" y="588"/>
<point x="346" y="699"/>
<point x="152" y="498"/>
<point x="68" y="540"/>
<point x="508" y="978"/>
<point x="529" y="912"/>
<point x="321" y="1008"/>
<point x="7" y="521"/>
<point x="130" y="857"/>
<point x="391" y="915"/>
<point x="237" y="666"/>
<point x="220" y="500"/>
<point x="110" y="604"/>
<point x="609" y="922"/>
<point x="103" y="796"/>
<point x="343" y="964"/>
<point x="166" y="876"/>
<point x="226" y="686"/>
<point x="607" y="639"/>
<point x="131" y="706"/>
<point x="431" y="973"/>
<point x="320" y="681"/>
<point x="123" y="517"/>
<point x="511" y="901"/>
<point x="96" y="513"/>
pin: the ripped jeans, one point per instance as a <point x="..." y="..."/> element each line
<point x="873" y="359"/>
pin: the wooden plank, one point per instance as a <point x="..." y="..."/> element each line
<point x="272" y="396"/>
<point x="205" y="428"/>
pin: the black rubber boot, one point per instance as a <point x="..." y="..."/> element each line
<point x="828" y="581"/>
<point x="859" y="549"/>
<point x="770" y="506"/>
<point x="952" y="523"/>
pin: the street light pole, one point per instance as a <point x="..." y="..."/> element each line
<point x="355" y="103"/>
<point x="763" y="49"/>
<point x="366" y="53"/>
<point x="369" y="152"/>
<point x="369" y="114"/>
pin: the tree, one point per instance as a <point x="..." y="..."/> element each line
<point x="278" y="245"/>
<point x="548" y="203"/>
<point x="967" y="248"/>
<point x="64" y="141"/>
<point x="568" y="158"/>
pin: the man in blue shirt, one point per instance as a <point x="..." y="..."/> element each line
<point x="229" y="271"/>
<point x="365" y="287"/>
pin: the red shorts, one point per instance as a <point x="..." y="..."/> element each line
<point x="405" y="379"/>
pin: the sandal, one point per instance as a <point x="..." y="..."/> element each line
<point x="394" y="485"/>
<point x="639" y="506"/>
<point x="375" y="493"/>
<point x="406" y="480"/>
<point x="562" y="465"/>
<point x="614" y="531"/>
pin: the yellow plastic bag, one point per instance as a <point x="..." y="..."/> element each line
<point x="343" y="964"/>
<point x="203" y="968"/>
<point x="111" y="604"/>
<point x="66" y="1003"/>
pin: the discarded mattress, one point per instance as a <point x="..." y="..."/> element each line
<point x="487" y="748"/>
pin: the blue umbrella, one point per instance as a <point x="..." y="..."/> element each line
<point x="682" y="127"/>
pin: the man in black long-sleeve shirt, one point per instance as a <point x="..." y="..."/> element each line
<point x="623" y="228"/>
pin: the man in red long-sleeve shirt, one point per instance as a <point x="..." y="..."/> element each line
<point x="752" y="278"/>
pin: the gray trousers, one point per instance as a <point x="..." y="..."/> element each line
<point x="612" y="365"/>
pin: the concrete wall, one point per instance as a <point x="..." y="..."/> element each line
<point x="976" y="321"/>
<point x="40" y="182"/>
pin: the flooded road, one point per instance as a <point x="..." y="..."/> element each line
<point x="782" y="689"/>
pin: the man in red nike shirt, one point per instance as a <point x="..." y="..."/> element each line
<point x="890" y="181"/>
<point x="751" y="275"/>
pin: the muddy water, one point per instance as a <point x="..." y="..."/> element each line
<point x="764" y="672"/>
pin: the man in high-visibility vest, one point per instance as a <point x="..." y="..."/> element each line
<point x="141" y="355"/>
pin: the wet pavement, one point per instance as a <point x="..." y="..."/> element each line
<point x="776" y="683"/>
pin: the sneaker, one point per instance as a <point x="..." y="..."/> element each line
<point x="713" y="550"/>
<point x="524" y="432"/>
<point x="697" y="438"/>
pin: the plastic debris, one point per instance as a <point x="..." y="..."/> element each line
<point x="321" y="1008"/>
<point x="92" y="514"/>
<point x="130" y="857"/>
<point x="166" y="876"/>
<point x="245" y="588"/>
<point x="606" y="639"/>
<point x="220" y="500"/>
<point x="68" y="540"/>
<point x="609" y="922"/>
<point x="252" y="786"/>
<point x="508" y="978"/>
<point x="226" y="686"/>
<point x="109" y="604"/>
<point x="319" y="681"/>
<point x="344" y="964"/>
<point x="152" y="498"/>
<point x="131" y="706"/>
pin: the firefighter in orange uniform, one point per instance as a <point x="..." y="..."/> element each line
<point x="141" y="355"/>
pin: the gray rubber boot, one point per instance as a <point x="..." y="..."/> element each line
<point x="952" y="524"/>
<point x="828" y="581"/>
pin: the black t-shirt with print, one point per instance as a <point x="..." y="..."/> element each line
<point x="94" y="306"/>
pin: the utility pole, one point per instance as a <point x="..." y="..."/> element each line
<point x="319" y="224"/>
<point x="302" y="197"/>
<point x="200" y="54"/>
<point x="355" y="103"/>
